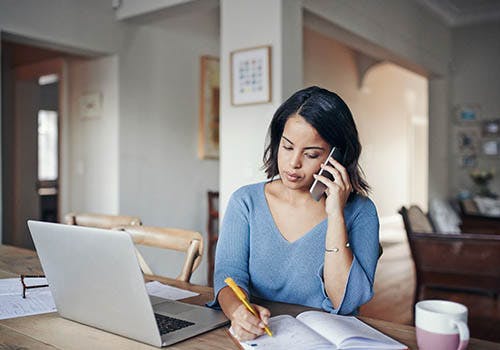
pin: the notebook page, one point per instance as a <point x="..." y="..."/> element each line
<point x="347" y="332"/>
<point x="288" y="334"/>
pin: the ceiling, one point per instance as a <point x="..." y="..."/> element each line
<point x="463" y="12"/>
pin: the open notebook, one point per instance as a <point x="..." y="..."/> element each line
<point x="320" y="330"/>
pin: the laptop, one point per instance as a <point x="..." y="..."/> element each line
<point x="95" y="279"/>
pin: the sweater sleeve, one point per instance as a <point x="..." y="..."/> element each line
<point x="231" y="256"/>
<point x="364" y="242"/>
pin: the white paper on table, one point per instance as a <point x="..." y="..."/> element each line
<point x="12" y="303"/>
<point x="161" y="290"/>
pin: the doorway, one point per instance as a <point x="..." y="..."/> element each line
<point x="31" y="114"/>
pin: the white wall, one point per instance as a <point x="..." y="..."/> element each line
<point x="161" y="178"/>
<point x="476" y="79"/>
<point x="93" y="143"/>
<point x="243" y="128"/>
<point x="72" y="26"/>
<point x="383" y="109"/>
<point x="406" y="33"/>
<point x="79" y="26"/>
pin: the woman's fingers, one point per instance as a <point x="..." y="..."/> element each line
<point x="263" y="313"/>
<point x="341" y="169"/>
<point x="245" y="324"/>
<point x="242" y="334"/>
<point x="337" y="176"/>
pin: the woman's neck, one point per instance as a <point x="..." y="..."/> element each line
<point x="291" y="196"/>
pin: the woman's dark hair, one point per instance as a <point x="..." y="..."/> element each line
<point x="329" y="115"/>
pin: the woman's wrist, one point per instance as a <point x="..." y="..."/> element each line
<point x="336" y="214"/>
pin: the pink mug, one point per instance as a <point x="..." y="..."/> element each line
<point x="441" y="325"/>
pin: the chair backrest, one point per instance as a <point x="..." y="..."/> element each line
<point x="190" y="242"/>
<point x="100" y="220"/>
<point x="417" y="220"/>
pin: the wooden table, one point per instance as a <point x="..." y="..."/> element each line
<point x="49" y="331"/>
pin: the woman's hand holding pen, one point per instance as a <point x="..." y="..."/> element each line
<point x="245" y="325"/>
<point x="338" y="191"/>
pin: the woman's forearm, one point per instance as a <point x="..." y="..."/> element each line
<point x="338" y="260"/>
<point x="228" y="301"/>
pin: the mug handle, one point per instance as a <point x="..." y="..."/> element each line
<point x="463" y="331"/>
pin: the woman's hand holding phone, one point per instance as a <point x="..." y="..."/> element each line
<point x="338" y="189"/>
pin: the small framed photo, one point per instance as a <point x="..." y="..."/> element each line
<point x="468" y="113"/>
<point x="90" y="105"/>
<point x="467" y="139"/>
<point x="251" y="76"/>
<point x="467" y="161"/>
<point x="491" y="148"/>
<point x="491" y="128"/>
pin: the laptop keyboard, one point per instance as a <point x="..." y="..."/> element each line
<point x="169" y="324"/>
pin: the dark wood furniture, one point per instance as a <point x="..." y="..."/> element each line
<point x="480" y="224"/>
<point x="212" y="232"/>
<point x="465" y="262"/>
<point x="474" y="221"/>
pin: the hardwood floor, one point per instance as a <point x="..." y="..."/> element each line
<point x="394" y="288"/>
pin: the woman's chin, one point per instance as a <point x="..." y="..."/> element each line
<point x="296" y="185"/>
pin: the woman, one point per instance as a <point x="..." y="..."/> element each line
<point x="277" y="242"/>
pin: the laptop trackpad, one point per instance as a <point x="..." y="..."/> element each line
<point x="172" y="307"/>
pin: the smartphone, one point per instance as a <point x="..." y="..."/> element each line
<point x="318" y="188"/>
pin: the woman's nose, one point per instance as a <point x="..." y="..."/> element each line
<point x="295" y="160"/>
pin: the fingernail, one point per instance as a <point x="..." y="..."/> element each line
<point x="262" y="325"/>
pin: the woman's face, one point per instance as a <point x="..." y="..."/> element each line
<point x="300" y="154"/>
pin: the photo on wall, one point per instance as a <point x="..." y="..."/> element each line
<point x="491" y="128"/>
<point x="467" y="140"/>
<point x="491" y="148"/>
<point x="251" y="76"/>
<point x="467" y="113"/>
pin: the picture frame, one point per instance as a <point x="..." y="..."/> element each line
<point x="90" y="105"/>
<point x="467" y="161"/>
<point x="467" y="140"/>
<point x="491" y="128"/>
<point x="468" y="113"/>
<point x="491" y="148"/>
<point x="208" y="120"/>
<point x="251" y="81"/>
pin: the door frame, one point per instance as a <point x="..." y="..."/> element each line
<point x="33" y="72"/>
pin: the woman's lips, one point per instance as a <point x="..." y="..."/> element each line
<point x="292" y="177"/>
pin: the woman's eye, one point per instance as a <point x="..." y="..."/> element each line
<point x="311" y="156"/>
<point x="288" y="148"/>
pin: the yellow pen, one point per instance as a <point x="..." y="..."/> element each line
<point x="239" y="293"/>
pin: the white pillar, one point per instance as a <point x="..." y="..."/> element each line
<point x="247" y="24"/>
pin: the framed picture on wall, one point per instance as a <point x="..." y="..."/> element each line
<point x="491" y="148"/>
<point x="208" y="127"/>
<point x="491" y="128"/>
<point x="467" y="139"/>
<point x="467" y="161"/>
<point x="251" y="76"/>
<point x="468" y="113"/>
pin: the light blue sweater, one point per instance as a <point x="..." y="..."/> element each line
<point x="253" y="252"/>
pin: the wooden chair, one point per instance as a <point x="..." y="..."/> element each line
<point x="213" y="232"/>
<point x="107" y="222"/>
<point x="190" y="242"/>
<point x="100" y="220"/>
<point x="465" y="262"/>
